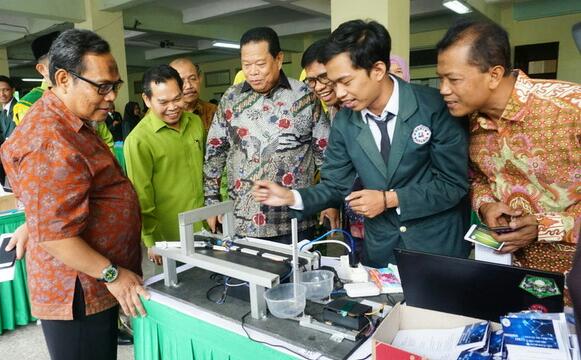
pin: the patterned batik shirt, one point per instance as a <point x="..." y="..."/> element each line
<point x="530" y="159"/>
<point x="279" y="136"/>
<point x="71" y="185"/>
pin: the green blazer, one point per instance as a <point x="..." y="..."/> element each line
<point x="428" y="173"/>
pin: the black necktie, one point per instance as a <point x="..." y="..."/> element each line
<point x="382" y="125"/>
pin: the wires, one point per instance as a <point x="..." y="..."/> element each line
<point x="379" y="309"/>
<point x="328" y="242"/>
<point x="273" y="345"/>
<point x="320" y="240"/>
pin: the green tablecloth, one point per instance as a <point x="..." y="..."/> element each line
<point x="14" y="303"/>
<point x="166" y="333"/>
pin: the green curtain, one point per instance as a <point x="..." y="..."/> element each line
<point x="169" y="334"/>
<point x="14" y="303"/>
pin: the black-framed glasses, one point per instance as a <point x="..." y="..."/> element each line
<point x="102" y="89"/>
<point x="323" y="79"/>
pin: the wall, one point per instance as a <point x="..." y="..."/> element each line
<point x="291" y="68"/>
<point x="524" y="32"/>
<point x="550" y="29"/>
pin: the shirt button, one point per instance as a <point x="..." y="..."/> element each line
<point x="403" y="229"/>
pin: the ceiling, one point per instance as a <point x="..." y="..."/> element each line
<point x="158" y="30"/>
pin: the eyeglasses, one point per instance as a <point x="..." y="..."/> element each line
<point x="102" y="89"/>
<point x="323" y="79"/>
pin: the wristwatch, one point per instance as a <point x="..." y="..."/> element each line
<point x="109" y="273"/>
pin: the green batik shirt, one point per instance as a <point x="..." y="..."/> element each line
<point x="165" y="167"/>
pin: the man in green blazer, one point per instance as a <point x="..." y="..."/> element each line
<point x="408" y="151"/>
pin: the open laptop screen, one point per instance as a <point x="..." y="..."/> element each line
<point x="475" y="288"/>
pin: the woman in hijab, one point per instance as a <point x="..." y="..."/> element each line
<point x="399" y="68"/>
<point x="131" y="117"/>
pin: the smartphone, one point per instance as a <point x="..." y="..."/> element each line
<point x="501" y="229"/>
<point x="7" y="258"/>
<point x="480" y="235"/>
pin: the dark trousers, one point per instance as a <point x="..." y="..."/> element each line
<point x="84" y="337"/>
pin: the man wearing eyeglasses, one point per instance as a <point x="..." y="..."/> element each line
<point x="409" y="153"/>
<point x="82" y="213"/>
<point x="40" y="47"/>
<point x="317" y="80"/>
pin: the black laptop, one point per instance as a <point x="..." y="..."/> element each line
<point x="476" y="288"/>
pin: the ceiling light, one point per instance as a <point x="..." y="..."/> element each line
<point x="32" y="80"/>
<point x="457" y="6"/>
<point x="225" y="45"/>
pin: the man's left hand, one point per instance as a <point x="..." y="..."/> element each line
<point x="526" y="231"/>
<point x="332" y="215"/>
<point x="368" y="203"/>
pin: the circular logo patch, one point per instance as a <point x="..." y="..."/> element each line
<point x="421" y="134"/>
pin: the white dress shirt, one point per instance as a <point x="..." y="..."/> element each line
<point x="392" y="106"/>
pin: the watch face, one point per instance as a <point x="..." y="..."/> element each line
<point x="110" y="274"/>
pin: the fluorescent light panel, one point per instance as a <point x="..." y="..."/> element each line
<point x="225" y="45"/>
<point x="457" y="6"/>
<point x="31" y="80"/>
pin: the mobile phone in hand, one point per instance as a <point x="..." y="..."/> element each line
<point x="501" y="229"/>
<point x="482" y="236"/>
<point x="7" y="258"/>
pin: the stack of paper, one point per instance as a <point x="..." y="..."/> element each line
<point x="532" y="336"/>
<point x="443" y="344"/>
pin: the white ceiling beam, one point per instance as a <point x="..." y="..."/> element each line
<point x="312" y="7"/>
<point x="16" y="27"/>
<point x="116" y="5"/>
<point x="220" y="8"/>
<point x="163" y="52"/>
<point x="57" y="10"/>
<point x="302" y="26"/>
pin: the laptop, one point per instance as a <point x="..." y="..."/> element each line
<point x="476" y="288"/>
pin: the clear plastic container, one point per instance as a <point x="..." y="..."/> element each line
<point x="283" y="303"/>
<point x="319" y="283"/>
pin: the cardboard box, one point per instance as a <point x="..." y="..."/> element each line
<point x="7" y="201"/>
<point x="403" y="317"/>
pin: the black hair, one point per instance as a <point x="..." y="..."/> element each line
<point x="160" y="74"/>
<point x="41" y="45"/>
<point x="489" y="43"/>
<point x="7" y="80"/>
<point x="366" y="43"/>
<point x="69" y="48"/>
<point x="130" y="108"/>
<point x="258" y="34"/>
<point x="314" y="53"/>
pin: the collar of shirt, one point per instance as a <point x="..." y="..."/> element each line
<point x="514" y="107"/>
<point x="158" y="124"/>
<point x="392" y="105"/>
<point x="7" y="105"/>
<point x="68" y="117"/>
<point x="281" y="83"/>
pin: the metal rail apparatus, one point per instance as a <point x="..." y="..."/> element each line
<point x="258" y="280"/>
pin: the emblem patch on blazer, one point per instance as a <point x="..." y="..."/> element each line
<point x="421" y="134"/>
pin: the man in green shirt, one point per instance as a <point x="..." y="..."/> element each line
<point x="164" y="155"/>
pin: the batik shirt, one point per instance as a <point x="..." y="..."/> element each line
<point x="71" y="185"/>
<point x="530" y="159"/>
<point x="279" y="136"/>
